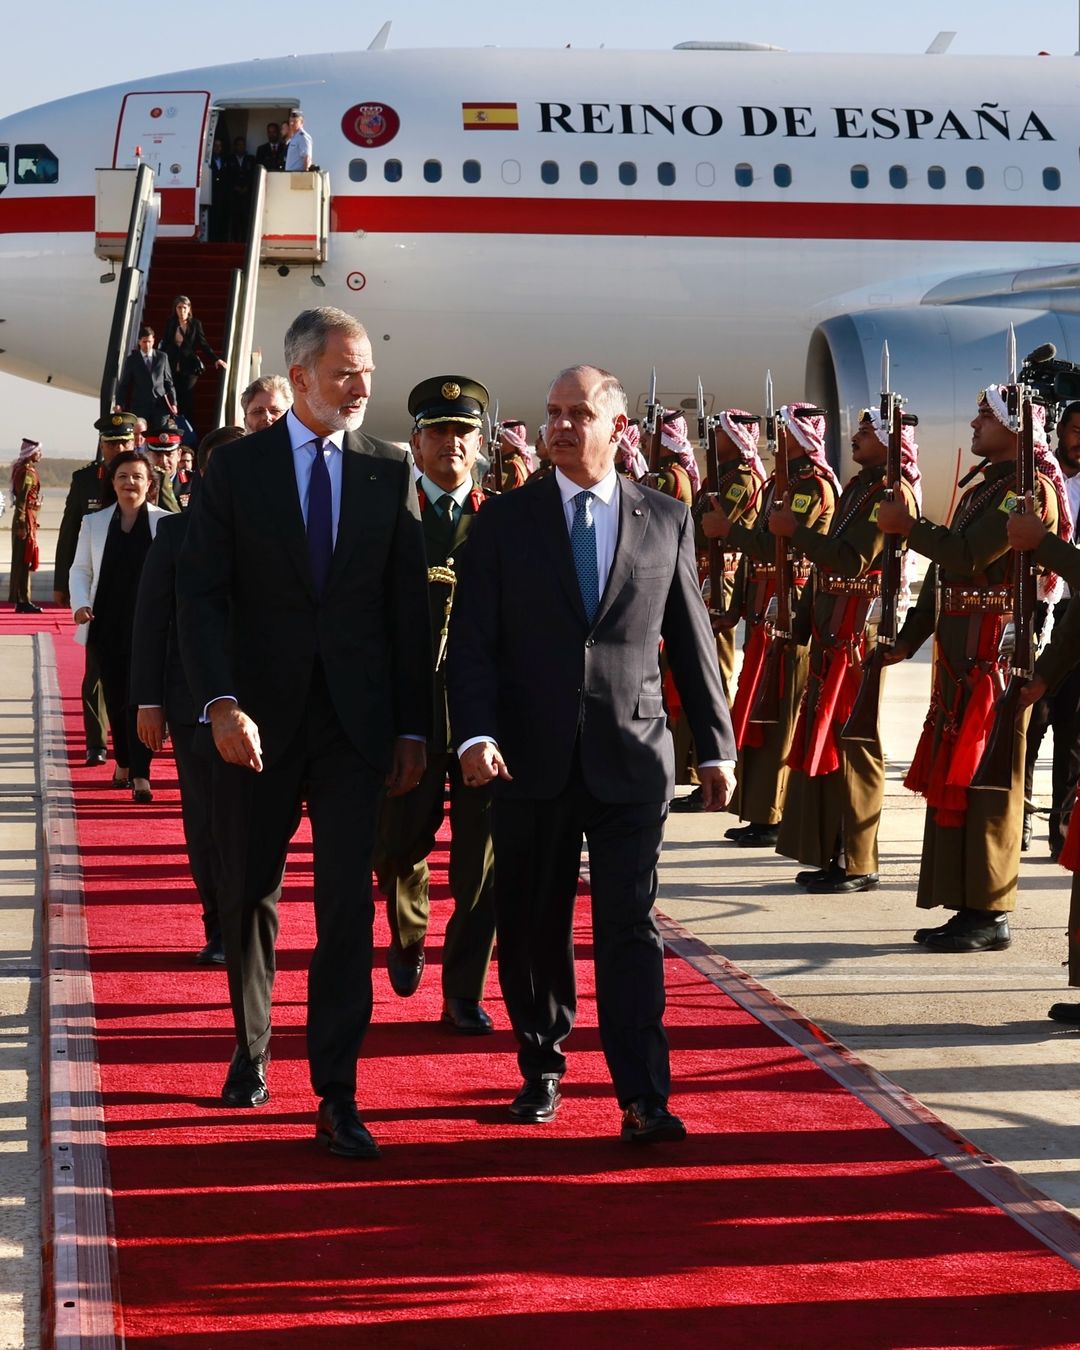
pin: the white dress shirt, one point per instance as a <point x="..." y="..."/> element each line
<point x="432" y="491"/>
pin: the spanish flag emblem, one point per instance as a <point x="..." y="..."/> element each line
<point x="489" y="116"/>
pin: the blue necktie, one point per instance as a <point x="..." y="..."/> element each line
<point x="583" y="547"/>
<point x="320" y="519"/>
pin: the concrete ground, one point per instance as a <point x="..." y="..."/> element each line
<point x="966" y="1035"/>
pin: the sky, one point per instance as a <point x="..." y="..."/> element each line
<point x="58" y="47"/>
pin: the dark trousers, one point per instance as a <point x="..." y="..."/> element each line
<point x="407" y="829"/>
<point x="537" y="856"/>
<point x="1058" y="712"/>
<point x="95" y="718"/>
<point x="115" y="666"/>
<point x="255" y="816"/>
<point x="194" y="769"/>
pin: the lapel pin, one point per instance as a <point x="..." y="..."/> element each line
<point x="374" y="477"/>
<point x="638" y="511"/>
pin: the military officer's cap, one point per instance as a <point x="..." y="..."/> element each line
<point x="449" y="398"/>
<point x="116" y="426"/>
<point x="167" y="436"/>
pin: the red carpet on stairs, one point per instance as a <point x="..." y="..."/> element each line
<point x="791" y="1217"/>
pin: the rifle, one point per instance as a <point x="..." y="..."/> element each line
<point x="654" y="429"/>
<point x="996" y="766"/>
<point x="767" y="702"/>
<point x="493" y="479"/>
<point x="707" y="441"/>
<point x="862" y="724"/>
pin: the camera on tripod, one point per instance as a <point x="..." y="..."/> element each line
<point x="1053" y="382"/>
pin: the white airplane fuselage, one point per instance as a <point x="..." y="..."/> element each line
<point x="706" y="212"/>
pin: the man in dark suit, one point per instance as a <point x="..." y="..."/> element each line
<point x="218" y="219"/>
<point x="241" y="170"/>
<point x="271" y="154"/>
<point x="448" y="411"/>
<point x="160" y="690"/>
<point x="611" y="571"/>
<point x="146" y="383"/>
<point x="299" y="584"/>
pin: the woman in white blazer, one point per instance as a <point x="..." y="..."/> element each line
<point x="104" y="579"/>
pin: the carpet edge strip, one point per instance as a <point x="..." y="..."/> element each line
<point x="80" y="1304"/>
<point x="1045" y="1219"/>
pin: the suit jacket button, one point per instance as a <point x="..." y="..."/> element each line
<point x="590" y="642"/>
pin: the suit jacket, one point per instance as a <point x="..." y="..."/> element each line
<point x="86" y="569"/>
<point x="240" y="171"/>
<point x="184" y="357"/>
<point x="527" y="668"/>
<point x="145" y="390"/>
<point x="157" y="673"/>
<point x="271" y="157"/>
<point x="251" y="624"/>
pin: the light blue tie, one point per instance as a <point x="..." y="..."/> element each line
<point x="583" y="547"/>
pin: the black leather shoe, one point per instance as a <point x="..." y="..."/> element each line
<point x="693" y="801"/>
<point x="142" y="796"/>
<point x="339" y="1128"/>
<point x="466" y="1014"/>
<point x="28" y="607"/>
<point x="95" y="758"/>
<point x="245" y="1083"/>
<point x="817" y="874"/>
<point x="754" y="836"/>
<point x="538" y="1101"/>
<point x="921" y="934"/>
<point x="1065" y="1012"/>
<point x="844" y="883"/>
<point x="646" y="1122"/>
<point x="213" y="954"/>
<point x="405" y="966"/>
<point x="983" y="932"/>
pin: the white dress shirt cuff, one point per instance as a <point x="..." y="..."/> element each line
<point x="717" y="764"/>
<point x="476" y="740"/>
<point x="206" y="711"/>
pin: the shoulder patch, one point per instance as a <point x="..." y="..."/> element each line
<point x="1008" y="502"/>
<point x="802" y="502"/>
<point x="735" y="493"/>
<point x="873" y="513"/>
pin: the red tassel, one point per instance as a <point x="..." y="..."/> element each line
<point x="1070" y="853"/>
<point x="749" y="679"/>
<point x="974" y="732"/>
<point x="822" y="756"/>
<point x="918" y="774"/>
<point x="671" y="696"/>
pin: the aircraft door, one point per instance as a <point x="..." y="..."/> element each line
<point x="166" y="128"/>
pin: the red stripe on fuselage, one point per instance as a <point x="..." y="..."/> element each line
<point x="673" y="219"/>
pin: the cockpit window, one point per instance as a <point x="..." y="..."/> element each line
<point x="3" y="167"/>
<point x="36" y="164"/>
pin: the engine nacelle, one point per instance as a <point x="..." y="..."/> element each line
<point x="940" y="357"/>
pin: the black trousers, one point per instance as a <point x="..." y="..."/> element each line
<point x="194" y="768"/>
<point x="255" y="816"/>
<point x="1058" y="712"/>
<point x="114" y="663"/>
<point x="537" y="857"/>
<point x="95" y="718"/>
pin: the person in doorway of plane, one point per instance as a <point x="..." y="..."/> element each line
<point x="271" y="154"/>
<point x="298" y="153"/>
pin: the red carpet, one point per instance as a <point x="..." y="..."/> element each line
<point x="792" y="1216"/>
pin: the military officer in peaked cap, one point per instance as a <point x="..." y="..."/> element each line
<point x="448" y="413"/>
<point x="90" y="490"/>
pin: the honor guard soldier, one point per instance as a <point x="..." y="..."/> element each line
<point x="448" y="413"/>
<point x="629" y="461"/>
<point x="90" y="490"/>
<point x="517" y="469"/>
<point x="678" y="475"/>
<point x="25" y="505"/>
<point x="971" y="838"/>
<point x="836" y="786"/>
<point x="764" y="745"/>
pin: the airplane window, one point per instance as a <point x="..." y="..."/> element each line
<point x="36" y="164"/>
<point x="392" y="170"/>
<point x="627" y="173"/>
<point x="665" y="174"/>
<point x="782" y="175"/>
<point x="975" y="177"/>
<point x="432" y="170"/>
<point x="744" y="175"/>
<point x="589" y="173"/>
<point x="3" y="167"/>
<point x="549" y="172"/>
<point x="1014" y="178"/>
<point x="511" y="171"/>
<point x="357" y="170"/>
<point x="705" y="175"/>
<point x="898" y="176"/>
<point x="935" y="176"/>
<point x="470" y="171"/>
<point x="860" y="176"/>
<point x="1051" y="179"/>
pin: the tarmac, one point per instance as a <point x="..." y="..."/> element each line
<point x="967" y="1036"/>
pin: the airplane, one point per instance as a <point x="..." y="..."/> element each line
<point x="709" y="210"/>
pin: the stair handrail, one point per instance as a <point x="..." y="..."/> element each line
<point x="231" y="348"/>
<point x="239" y="357"/>
<point x="131" y="285"/>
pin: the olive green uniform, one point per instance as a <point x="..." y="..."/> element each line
<point x="90" y="490"/>
<point x="24" y="524"/>
<point x="761" y="772"/>
<point x="408" y="825"/>
<point x="843" y="805"/>
<point x="739" y="493"/>
<point x="971" y="861"/>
